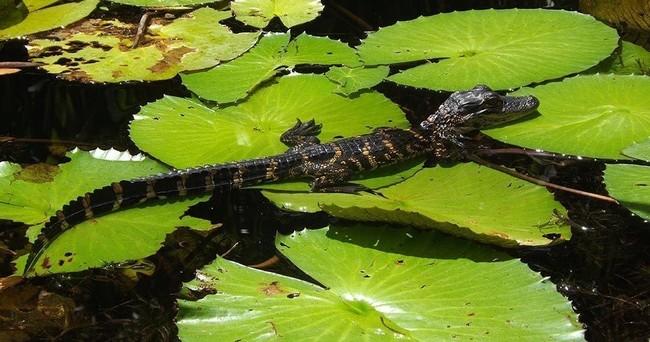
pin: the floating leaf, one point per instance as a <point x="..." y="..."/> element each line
<point x="33" y="5"/>
<point x="259" y="13"/>
<point x="234" y="80"/>
<point x="381" y="284"/>
<point x="375" y="179"/>
<point x="39" y="20"/>
<point x="32" y="196"/>
<point x="164" y="3"/>
<point x="639" y="151"/>
<point x="630" y="184"/>
<point x="101" y="50"/>
<point x="124" y="235"/>
<point x="167" y="127"/>
<point x="501" y="48"/>
<point x="632" y="59"/>
<point x="465" y="200"/>
<point x="351" y="80"/>
<point x="596" y="116"/>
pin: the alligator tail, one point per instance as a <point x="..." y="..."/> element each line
<point x="176" y="184"/>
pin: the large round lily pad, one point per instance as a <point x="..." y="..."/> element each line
<point x="595" y="116"/>
<point x="381" y="284"/>
<point x="501" y="48"/>
<point x="467" y="200"/>
<point x="184" y="133"/>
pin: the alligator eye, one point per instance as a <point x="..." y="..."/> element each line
<point x="493" y="102"/>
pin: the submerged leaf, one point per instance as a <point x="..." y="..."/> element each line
<point x="381" y="284"/>
<point x="259" y="13"/>
<point x="39" y="20"/>
<point x="631" y="59"/>
<point x="465" y="200"/>
<point x="101" y="50"/>
<point x="630" y="184"/>
<point x="184" y="133"/>
<point x="595" y="116"/>
<point x="234" y="80"/>
<point x="500" y="48"/>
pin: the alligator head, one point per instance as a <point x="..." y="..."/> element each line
<point x="478" y="108"/>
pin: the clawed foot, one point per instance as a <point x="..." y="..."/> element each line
<point x="306" y="128"/>
<point x="301" y="133"/>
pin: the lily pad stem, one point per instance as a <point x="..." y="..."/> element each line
<point x="539" y="181"/>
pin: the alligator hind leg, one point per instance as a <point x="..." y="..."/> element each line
<point x="301" y="134"/>
<point x="337" y="182"/>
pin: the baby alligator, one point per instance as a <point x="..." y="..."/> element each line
<point x="329" y="165"/>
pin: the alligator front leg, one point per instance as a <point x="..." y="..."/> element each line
<point x="302" y="134"/>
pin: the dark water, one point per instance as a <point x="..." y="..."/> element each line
<point x="604" y="269"/>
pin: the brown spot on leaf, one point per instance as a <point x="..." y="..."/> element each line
<point x="172" y="57"/>
<point x="46" y="263"/>
<point x="37" y="173"/>
<point x="272" y="289"/>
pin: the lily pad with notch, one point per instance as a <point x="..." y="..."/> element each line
<point x="465" y="200"/>
<point x="258" y="13"/>
<point x="500" y="48"/>
<point x="594" y="115"/>
<point x="234" y="80"/>
<point x="33" y="194"/>
<point x="100" y="50"/>
<point x="378" y="283"/>
<point x="185" y="133"/>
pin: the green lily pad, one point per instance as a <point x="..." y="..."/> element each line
<point x="596" y="116"/>
<point x="501" y="48"/>
<point x="234" y="80"/>
<point x="632" y="59"/>
<point x="375" y="179"/>
<point x="381" y="284"/>
<point x="351" y="80"/>
<point x="465" y="200"/>
<point x="124" y="235"/>
<point x="98" y="50"/>
<point x="164" y="3"/>
<point x="43" y="19"/>
<point x="166" y="128"/>
<point x="33" y="5"/>
<point x="639" y="151"/>
<point x="32" y="196"/>
<point x="258" y="13"/>
<point x="630" y="185"/>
